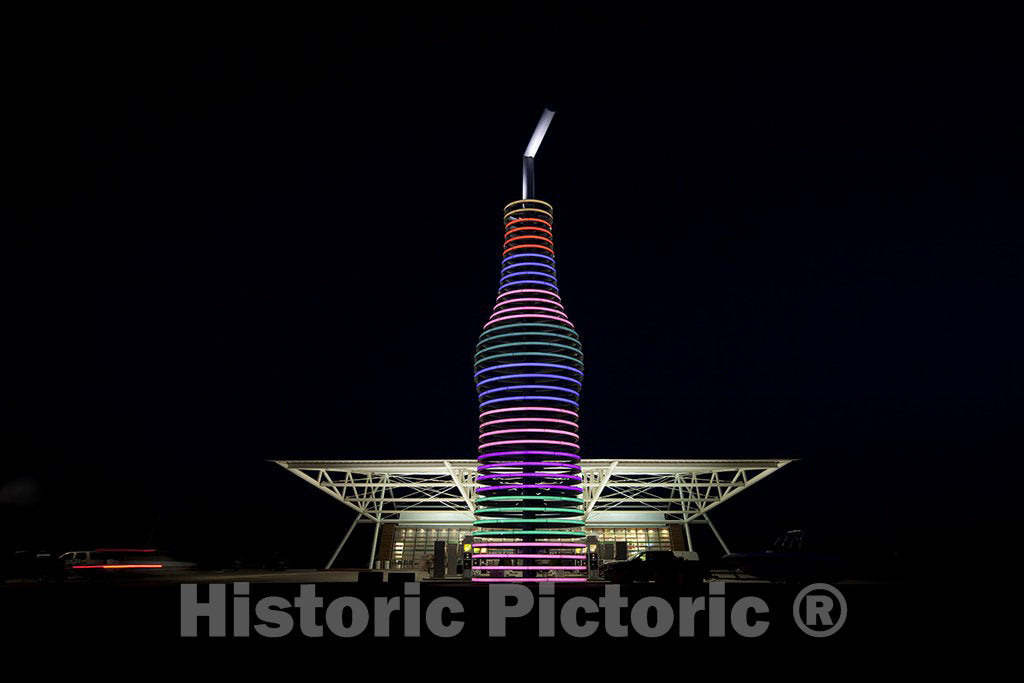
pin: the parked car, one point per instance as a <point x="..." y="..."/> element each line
<point x="789" y="560"/>
<point x="110" y="561"/>
<point x="674" y="567"/>
<point x="38" y="566"/>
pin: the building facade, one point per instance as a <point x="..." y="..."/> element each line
<point x="628" y="504"/>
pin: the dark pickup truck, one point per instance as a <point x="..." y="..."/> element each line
<point x="673" y="567"/>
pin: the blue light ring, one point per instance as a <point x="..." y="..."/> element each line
<point x="528" y="264"/>
<point x="515" y="256"/>
<point x="506" y="378"/>
<point x="529" y="282"/>
<point x="485" y="359"/>
<point x="524" y="387"/>
<point x="554" y="399"/>
<point x="527" y="272"/>
<point x="558" y="366"/>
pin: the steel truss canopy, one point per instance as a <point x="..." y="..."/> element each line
<point x="615" y="492"/>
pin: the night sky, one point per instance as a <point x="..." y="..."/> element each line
<point x="785" y="235"/>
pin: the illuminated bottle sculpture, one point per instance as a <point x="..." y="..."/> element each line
<point x="529" y="377"/>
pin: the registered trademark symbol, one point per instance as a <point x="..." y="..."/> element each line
<point x="819" y="610"/>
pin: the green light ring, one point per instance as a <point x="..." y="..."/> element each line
<point x="535" y="333"/>
<point x="526" y="343"/>
<point x="506" y="326"/>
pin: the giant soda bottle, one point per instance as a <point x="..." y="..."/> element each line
<point x="528" y="370"/>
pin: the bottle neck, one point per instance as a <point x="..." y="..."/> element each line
<point x="528" y="253"/>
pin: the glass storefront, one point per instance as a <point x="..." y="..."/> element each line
<point x="636" y="538"/>
<point x="413" y="544"/>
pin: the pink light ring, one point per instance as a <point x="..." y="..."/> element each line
<point x="530" y="291"/>
<point x="560" y="465"/>
<point x="527" y="308"/>
<point x="528" y="298"/>
<point x="566" y="444"/>
<point x="498" y="310"/>
<point x="550" y="420"/>
<point x="529" y="556"/>
<point x="546" y="454"/>
<point x="546" y="567"/>
<point x="525" y="431"/>
<point x="528" y="315"/>
<point x="528" y="544"/>
<point x="501" y="301"/>
<point x="524" y="408"/>
<point x="535" y="475"/>
<point x="527" y="282"/>
<point x="553" y="580"/>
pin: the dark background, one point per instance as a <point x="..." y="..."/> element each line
<point x="788" y="234"/>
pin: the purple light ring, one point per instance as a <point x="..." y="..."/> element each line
<point x="521" y="387"/>
<point x="558" y="399"/>
<point x="535" y="475"/>
<point x="482" y="468"/>
<point x="506" y="487"/>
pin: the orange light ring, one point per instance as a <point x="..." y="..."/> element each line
<point x="528" y="237"/>
<point x="527" y="220"/>
<point x="529" y="246"/>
